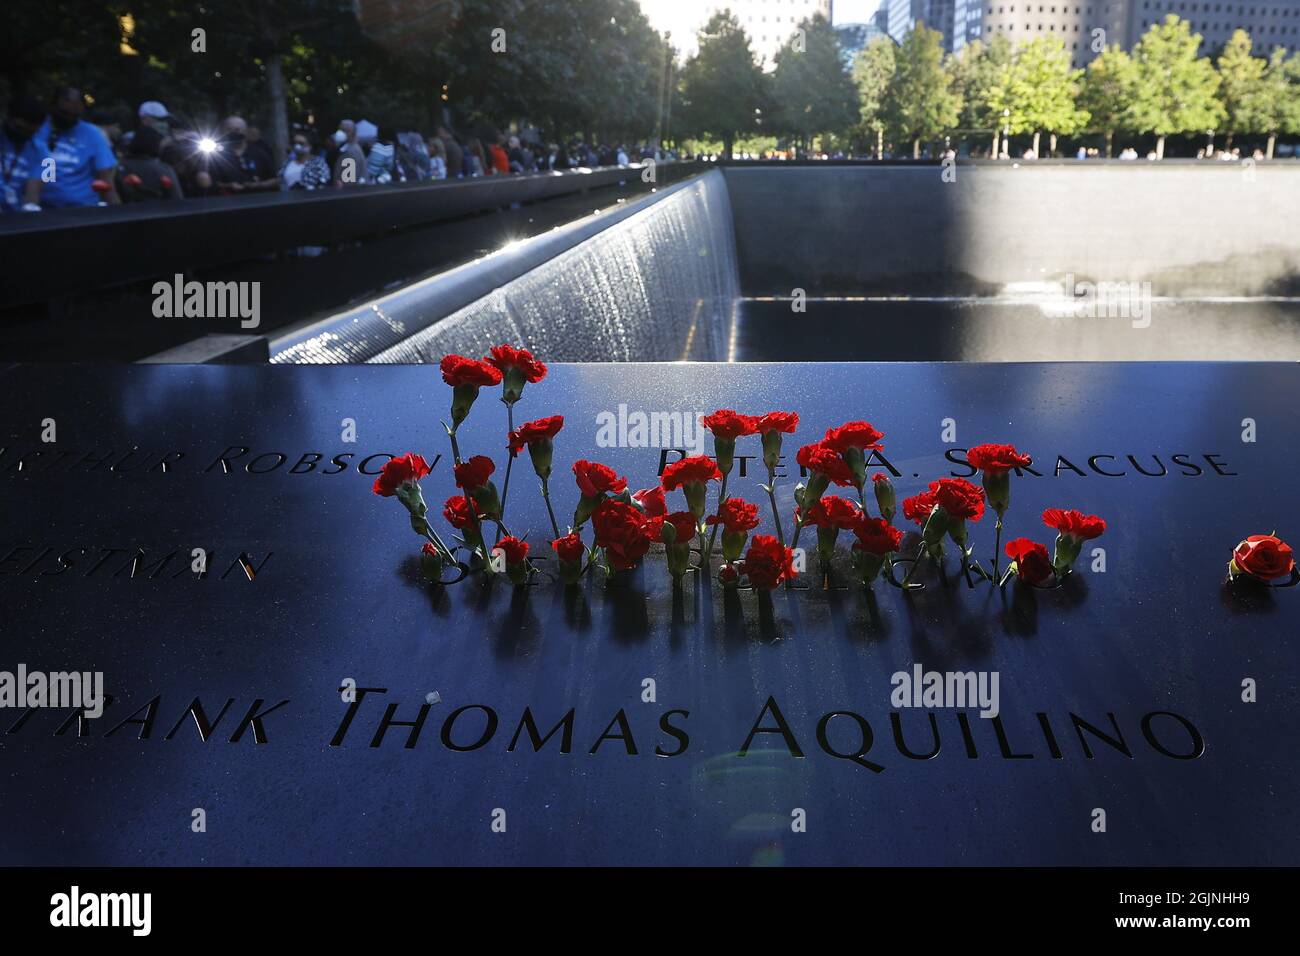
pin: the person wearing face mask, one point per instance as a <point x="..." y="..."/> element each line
<point x="23" y="117"/>
<point x="68" y="162"/>
<point x="349" y="162"/>
<point x="237" y="169"/>
<point x="303" y="169"/>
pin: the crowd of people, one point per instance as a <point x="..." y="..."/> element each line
<point x="65" y="156"/>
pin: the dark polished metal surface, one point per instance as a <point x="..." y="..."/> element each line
<point x="335" y="594"/>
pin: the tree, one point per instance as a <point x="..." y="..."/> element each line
<point x="723" y="87"/>
<point x="1283" y="77"/>
<point x="1176" y="90"/>
<point x="1043" y="91"/>
<point x="1108" y="88"/>
<point x="923" y="101"/>
<point x="981" y="72"/>
<point x="873" y="69"/>
<point x="812" y="92"/>
<point x="1243" y="91"/>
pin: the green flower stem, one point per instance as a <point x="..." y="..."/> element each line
<point x="713" y="536"/>
<point x="546" y="497"/>
<point x="776" y="515"/>
<point x="997" y="546"/>
<point x="505" y="488"/>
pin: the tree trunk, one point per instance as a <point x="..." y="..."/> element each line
<point x="1110" y="143"/>
<point x="279" y="107"/>
<point x="1051" y="140"/>
<point x="1227" y="143"/>
<point x="1160" y="147"/>
<point x="916" y="148"/>
<point x="1209" y="145"/>
<point x="1036" y="143"/>
<point x="996" y="145"/>
<point x="880" y="142"/>
<point x="727" y="142"/>
<point x="1272" y="141"/>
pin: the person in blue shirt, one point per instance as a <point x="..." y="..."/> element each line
<point x="81" y="155"/>
<point x="24" y="116"/>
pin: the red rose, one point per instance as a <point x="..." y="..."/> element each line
<point x="570" y="547"/>
<point x="398" y="471"/>
<point x="777" y="422"/>
<point x="505" y="357"/>
<point x="698" y="468"/>
<point x="959" y="498"/>
<point x="825" y="460"/>
<point x="1032" y="562"/>
<point x="876" y="536"/>
<point x="530" y="432"/>
<point x="474" y="473"/>
<point x="768" y="563"/>
<point x="852" y="435"/>
<point x="516" y="551"/>
<point x="918" y="507"/>
<point x="460" y="513"/>
<point x="1076" y="524"/>
<point x="595" y="479"/>
<point x="1264" y="556"/>
<point x="997" y="458"/>
<point x="624" y="532"/>
<point x="833" y="512"/>
<point x="726" y="423"/>
<point x="683" y="522"/>
<point x="736" y="515"/>
<point x="652" y="500"/>
<point x="459" y="370"/>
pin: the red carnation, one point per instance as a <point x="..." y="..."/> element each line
<point x="624" y="532"/>
<point x="726" y="423"/>
<point x="1264" y="556"/>
<point x="777" y="422"/>
<point x="825" y="460"/>
<point x="459" y="513"/>
<point x="595" y="479"/>
<point x="767" y="563"/>
<point x="918" y="507"/>
<point x="1076" y="524"/>
<point x="736" y="515"/>
<point x="652" y="501"/>
<point x="1032" y="562"/>
<point x="530" y="432"/>
<point x="474" y="473"/>
<point x="399" y="471"/>
<point x="997" y="458"/>
<point x="516" y="551"/>
<point x="459" y="370"/>
<point x="683" y="523"/>
<point x="833" y="512"/>
<point x="853" y="435"/>
<point x="505" y="357"/>
<point x="876" y="536"/>
<point x="959" y="498"/>
<point x="569" y="548"/>
<point x="879" y="476"/>
<point x="698" y="468"/>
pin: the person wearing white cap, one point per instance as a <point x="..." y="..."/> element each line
<point x="152" y="113"/>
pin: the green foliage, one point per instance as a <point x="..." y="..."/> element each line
<point x="1043" y="88"/>
<point x="723" y="89"/>
<point x="873" y="70"/>
<point x="1176" y="90"/>
<point x="812" y="92"/>
<point x="1108" y="88"/>
<point x="982" y="75"/>
<point x="923" y="101"/>
<point x="1244" y="92"/>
